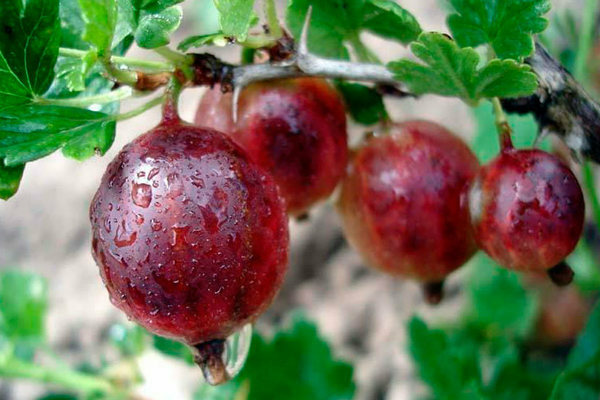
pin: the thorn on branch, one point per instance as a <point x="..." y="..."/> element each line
<point x="561" y="106"/>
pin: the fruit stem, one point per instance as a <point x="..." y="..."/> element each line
<point x="502" y="125"/>
<point x="140" y="110"/>
<point x="433" y="292"/>
<point x="561" y="274"/>
<point x="171" y="101"/>
<point x="209" y="357"/>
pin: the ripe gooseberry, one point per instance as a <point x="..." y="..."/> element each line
<point x="404" y="203"/>
<point x="294" y="128"/>
<point x="528" y="212"/>
<point x="190" y="236"/>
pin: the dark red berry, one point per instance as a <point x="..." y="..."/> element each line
<point x="295" y="129"/>
<point x="404" y="203"/>
<point x="190" y="235"/>
<point x="528" y="211"/>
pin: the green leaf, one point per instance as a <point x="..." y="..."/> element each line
<point x="130" y="340"/>
<point x="387" y="19"/>
<point x="100" y="17"/>
<point x="23" y="300"/>
<point x="31" y="132"/>
<point x="297" y="364"/>
<point x="155" y="29"/>
<point x="29" y="42"/>
<point x="72" y="25"/>
<point x="235" y="17"/>
<point x="331" y="22"/>
<point x="217" y="39"/>
<point x="450" y="369"/>
<point x="10" y="178"/>
<point x="500" y="305"/>
<point x="173" y="349"/>
<point x="364" y="103"/>
<point x="451" y="71"/>
<point x="335" y="22"/>
<point x="580" y="378"/>
<point x="507" y="25"/>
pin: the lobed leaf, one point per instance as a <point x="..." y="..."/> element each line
<point x="155" y="29"/>
<point x="387" y="19"/>
<point x="100" y="18"/>
<point x="507" y="25"/>
<point x="449" y="70"/>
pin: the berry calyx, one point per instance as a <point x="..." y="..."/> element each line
<point x="295" y="129"/>
<point x="190" y="235"/>
<point x="404" y="203"/>
<point x="528" y="212"/>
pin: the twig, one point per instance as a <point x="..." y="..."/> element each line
<point x="561" y="106"/>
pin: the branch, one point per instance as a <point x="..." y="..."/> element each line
<point x="561" y="106"/>
<point x="208" y="70"/>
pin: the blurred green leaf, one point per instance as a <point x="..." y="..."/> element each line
<point x="10" y="178"/>
<point x="23" y="302"/>
<point x="363" y="103"/>
<point x="499" y="305"/>
<point x="173" y="349"/>
<point x="58" y="396"/>
<point x="448" y="70"/>
<point x="130" y="340"/>
<point x="507" y="25"/>
<point x="581" y="379"/>
<point x="387" y="19"/>
<point x="451" y="369"/>
<point x="297" y="364"/>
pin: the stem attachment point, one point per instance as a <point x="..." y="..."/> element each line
<point x="209" y="357"/>
<point x="433" y="292"/>
<point x="561" y="274"/>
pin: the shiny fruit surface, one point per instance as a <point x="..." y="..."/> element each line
<point x="295" y="129"/>
<point x="404" y="201"/>
<point x="190" y="235"/>
<point x="528" y="209"/>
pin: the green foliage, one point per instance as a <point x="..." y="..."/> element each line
<point x="100" y="18"/>
<point x="297" y="364"/>
<point x="363" y="103"/>
<point x="10" y="178"/>
<point x="235" y="17"/>
<point x="129" y="340"/>
<point x="449" y="70"/>
<point x="29" y="42"/>
<point x="507" y="26"/>
<point x="337" y="21"/>
<point x="31" y="132"/>
<point x="173" y="349"/>
<point x="580" y="378"/>
<point x="203" y="40"/>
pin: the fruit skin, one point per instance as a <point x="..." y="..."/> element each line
<point x="528" y="209"/>
<point x="190" y="235"/>
<point x="294" y="128"/>
<point x="404" y="201"/>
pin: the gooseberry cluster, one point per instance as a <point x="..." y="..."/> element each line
<point x="190" y="228"/>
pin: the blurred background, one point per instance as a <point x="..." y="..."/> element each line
<point x="362" y="313"/>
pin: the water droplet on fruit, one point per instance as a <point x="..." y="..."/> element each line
<point x="237" y="347"/>
<point x="141" y="194"/>
<point x="156" y="225"/>
<point x="124" y="238"/>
